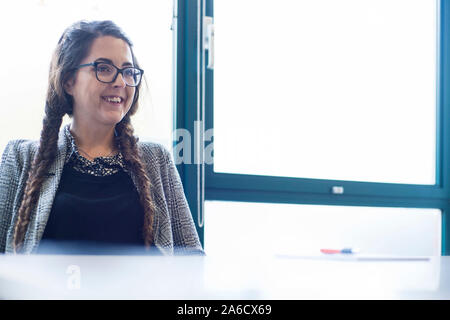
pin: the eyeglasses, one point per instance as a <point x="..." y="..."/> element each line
<point x="107" y="73"/>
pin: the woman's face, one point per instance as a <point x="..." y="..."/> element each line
<point x="95" y="102"/>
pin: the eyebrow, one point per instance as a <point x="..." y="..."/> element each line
<point x="110" y="62"/>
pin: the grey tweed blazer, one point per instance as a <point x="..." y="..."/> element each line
<point x="173" y="225"/>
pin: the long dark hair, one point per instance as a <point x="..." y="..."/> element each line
<point x="72" y="48"/>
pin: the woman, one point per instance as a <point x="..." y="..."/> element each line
<point x="92" y="181"/>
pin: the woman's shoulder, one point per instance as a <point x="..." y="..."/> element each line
<point x="20" y="150"/>
<point x="154" y="150"/>
<point x="157" y="157"/>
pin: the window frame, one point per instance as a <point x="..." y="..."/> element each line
<point x="195" y="88"/>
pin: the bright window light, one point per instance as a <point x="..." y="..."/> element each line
<point x="326" y="89"/>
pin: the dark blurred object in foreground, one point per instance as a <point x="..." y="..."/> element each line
<point x="102" y="248"/>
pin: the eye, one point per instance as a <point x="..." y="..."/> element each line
<point x="104" y="68"/>
<point x="130" y="72"/>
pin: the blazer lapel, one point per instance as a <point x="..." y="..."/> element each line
<point x="156" y="229"/>
<point x="47" y="195"/>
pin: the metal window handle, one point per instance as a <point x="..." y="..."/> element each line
<point x="208" y="43"/>
<point x="337" y="190"/>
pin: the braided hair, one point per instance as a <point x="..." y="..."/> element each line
<point x="72" y="48"/>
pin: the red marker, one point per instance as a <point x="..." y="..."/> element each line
<point x="334" y="251"/>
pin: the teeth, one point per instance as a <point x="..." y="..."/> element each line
<point x="114" y="99"/>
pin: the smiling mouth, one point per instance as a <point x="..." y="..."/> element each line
<point x="113" y="99"/>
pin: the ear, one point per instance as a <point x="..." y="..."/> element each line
<point x="68" y="85"/>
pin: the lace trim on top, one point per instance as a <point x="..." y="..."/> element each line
<point x="100" y="166"/>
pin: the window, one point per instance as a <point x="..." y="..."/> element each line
<point x="249" y="228"/>
<point x="341" y="90"/>
<point x="322" y="109"/>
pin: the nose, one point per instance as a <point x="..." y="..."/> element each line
<point x="119" y="82"/>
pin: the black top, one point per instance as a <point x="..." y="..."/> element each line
<point x="100" y="209"/>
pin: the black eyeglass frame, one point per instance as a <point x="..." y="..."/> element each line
<point x="118" y="70"/>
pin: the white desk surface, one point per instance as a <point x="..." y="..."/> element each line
<point x="195" y="277"/>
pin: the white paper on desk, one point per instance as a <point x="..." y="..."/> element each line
<point x="351" y="257"/>
<point x="356" y="275"/>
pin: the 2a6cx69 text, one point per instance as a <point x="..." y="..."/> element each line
<point x="246" y="309"/>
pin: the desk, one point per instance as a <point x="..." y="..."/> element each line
<point x="196" y="277"/>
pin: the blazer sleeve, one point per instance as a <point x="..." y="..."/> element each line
<point x="9" y="183"/>
<point x="185" y="235"/>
